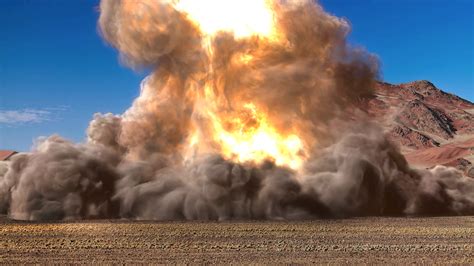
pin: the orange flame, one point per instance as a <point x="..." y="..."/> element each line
<point x="246" y="133"/>
<point x="249" y="136"/>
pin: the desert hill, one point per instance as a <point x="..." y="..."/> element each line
<point x="431" y="126"/>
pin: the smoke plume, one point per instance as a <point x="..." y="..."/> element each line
<point x="231" y="126"/>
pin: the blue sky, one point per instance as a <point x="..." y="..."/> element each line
<point x="56" y="72"/>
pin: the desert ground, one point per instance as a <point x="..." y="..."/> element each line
<point x="360" y="240"/>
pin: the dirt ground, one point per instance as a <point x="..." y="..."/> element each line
<point x="363" y="240"/>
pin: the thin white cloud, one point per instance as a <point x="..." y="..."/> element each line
<point x="25" y="116"/>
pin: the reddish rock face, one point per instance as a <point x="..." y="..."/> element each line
<point x="423" y="118"/>
<point x="410" y="138"/>
<point x="428" y="123"/>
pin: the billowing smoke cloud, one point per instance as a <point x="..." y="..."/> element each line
<point x="140" y="165"/>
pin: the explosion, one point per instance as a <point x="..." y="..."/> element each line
<point x="244" y="132"/>
<point x="249" y="112"/>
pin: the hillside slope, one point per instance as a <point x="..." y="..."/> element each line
<point x="431" y="126"/>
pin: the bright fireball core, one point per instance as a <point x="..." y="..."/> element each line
<point x="242" y="17"/>
<point x="247" y="135"/>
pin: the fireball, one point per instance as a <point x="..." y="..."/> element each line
<point x="246" y="134"/>
<point x="243" y="18"/>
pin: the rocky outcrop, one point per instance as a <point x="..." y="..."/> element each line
<point x="410" y="138"/>
<point x="417" y="115"/>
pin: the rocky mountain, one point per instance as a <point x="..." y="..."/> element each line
<point x="431" y="126"/>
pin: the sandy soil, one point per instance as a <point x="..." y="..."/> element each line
<point x="381" y="240"/>
<point x="440" y="155"/>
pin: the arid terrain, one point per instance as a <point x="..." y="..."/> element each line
<point x="362" y="240"/>
<point x="430" y="126"/>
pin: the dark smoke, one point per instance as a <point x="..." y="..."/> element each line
<point x="136" y="165"/>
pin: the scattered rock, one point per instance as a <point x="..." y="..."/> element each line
<point x="461" y="164"/>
